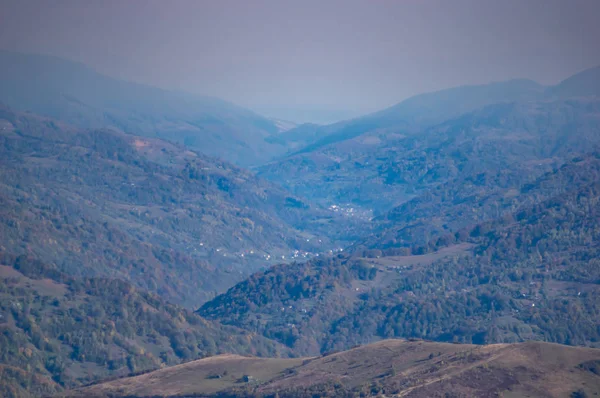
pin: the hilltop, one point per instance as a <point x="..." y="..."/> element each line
<point x="390" y="367"/>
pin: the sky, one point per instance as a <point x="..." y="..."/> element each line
<point x="311" y="60"/>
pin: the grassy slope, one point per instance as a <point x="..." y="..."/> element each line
<point x="390" y="367"/>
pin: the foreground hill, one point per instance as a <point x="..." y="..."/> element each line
<point x="532" y="273"/>
<point x="105" y="203"/>
<point x="58" y="332"/>
<point x="382" y="160"/>
<point x="390" y="368"/>
<point x="75" y="94"/>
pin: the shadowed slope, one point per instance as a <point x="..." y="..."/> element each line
<point x="73" y="93"/>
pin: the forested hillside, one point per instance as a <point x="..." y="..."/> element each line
<point x="103" y="203"/>
<point x="75" y="94"/>
<point x="474" y="198"/>
<point x="491" y="236"/>
<point x="530" y="274"/>
<point x="58" y="332"/>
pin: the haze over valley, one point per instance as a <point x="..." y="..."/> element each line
<point x="199" y="199"/>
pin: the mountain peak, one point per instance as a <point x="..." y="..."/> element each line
<point x="582" y="84"/>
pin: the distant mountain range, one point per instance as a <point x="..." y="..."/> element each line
<point x="428" y="109"/>
<point x="73" y="93"/>
<point x="422" y="111"/>
<point x="381" y="160"/>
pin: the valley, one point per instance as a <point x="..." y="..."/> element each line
<point x="155" y="243"/>
<point x="531" y="274"/>
<point x="377" y="162"/>
<point x="102" y="203"/>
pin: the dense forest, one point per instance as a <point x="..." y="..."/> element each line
<point x="58" y="332"/>
<point x="472" y="199"/>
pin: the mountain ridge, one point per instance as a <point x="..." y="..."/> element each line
<point x="74" y="93"/>
<point x="434" y="107"/>
<point x="380" y="170"/>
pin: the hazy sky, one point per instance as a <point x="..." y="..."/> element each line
<point x="347" y="56"/>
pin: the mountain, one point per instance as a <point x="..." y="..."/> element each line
<point x="74" y="93"/>
<point x="422" y="111"/>
<point x="425" y="110"/>
<point x="58" y="332"/>
<point x="377" y="171"/>
<point x="387" y="368"/>
<point x="531" y="273"/>
<point x="376" y="162"/>
<point x="582" y="84"/>
<point x="183" y="225"/>
<point x="470" y="215"/>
